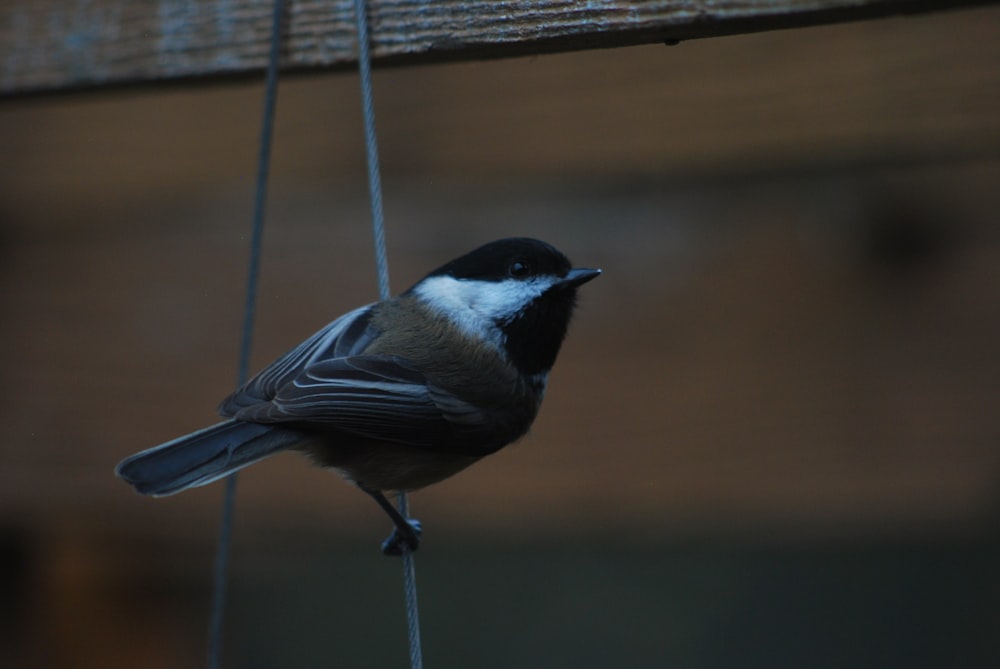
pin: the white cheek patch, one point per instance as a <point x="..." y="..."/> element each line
<point x="477" y="306"/>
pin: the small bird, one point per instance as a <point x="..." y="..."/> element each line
<point x="398" y="394"/>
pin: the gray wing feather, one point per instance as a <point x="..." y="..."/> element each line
<point x="379" y="397"/>
<point x="348" y="335"/>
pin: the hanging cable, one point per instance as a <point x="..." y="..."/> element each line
<point x="220" y="579"/>
<point x="371" y="148"/>
<point x="410" y="593"/>
<point x="382" y="263"/>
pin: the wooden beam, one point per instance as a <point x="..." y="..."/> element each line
<point x="58" y="45"/>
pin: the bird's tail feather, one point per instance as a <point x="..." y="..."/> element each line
<point x="203" y="456"/>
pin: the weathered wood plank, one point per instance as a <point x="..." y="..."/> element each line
<point x="51" y="45"/>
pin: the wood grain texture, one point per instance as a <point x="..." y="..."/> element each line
<point x="54" y="45"/>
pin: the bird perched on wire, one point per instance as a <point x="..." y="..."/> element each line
<point x="397" y="394"/>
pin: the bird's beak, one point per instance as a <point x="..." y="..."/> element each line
<point x="579" y="276"/>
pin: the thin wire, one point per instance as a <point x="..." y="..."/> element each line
<point x="371" y="147"/>
<point x="410" y="593"/>
<point x="382" y="264"/>
<point x="220" y="578"/>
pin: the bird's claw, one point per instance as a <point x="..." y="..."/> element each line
<point x="403" y="539"/>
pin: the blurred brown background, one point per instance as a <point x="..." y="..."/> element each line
<point x="771" y="438"/>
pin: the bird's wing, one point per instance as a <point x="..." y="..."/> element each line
<point x="348" y="335"/>
<point x="380" y="397"/>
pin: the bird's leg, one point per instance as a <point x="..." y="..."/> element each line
<point x="405" y="534"/>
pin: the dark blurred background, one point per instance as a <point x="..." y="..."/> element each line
<point x="771" y="439"/>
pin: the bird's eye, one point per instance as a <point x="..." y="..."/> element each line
<point x="518" y="269"/>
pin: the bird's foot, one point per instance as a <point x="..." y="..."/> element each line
<point x="403" y="538"/>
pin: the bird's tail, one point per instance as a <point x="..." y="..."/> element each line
<point x="203" y="456"/>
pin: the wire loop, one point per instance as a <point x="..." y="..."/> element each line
<point x="221" y="569"/>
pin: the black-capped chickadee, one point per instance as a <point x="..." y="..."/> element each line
<point x="398" y="394"/>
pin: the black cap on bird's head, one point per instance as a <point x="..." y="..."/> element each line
<point x="514" y="257"/>
<point x="519" y="258"/>
<point x="522" y="289"/>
